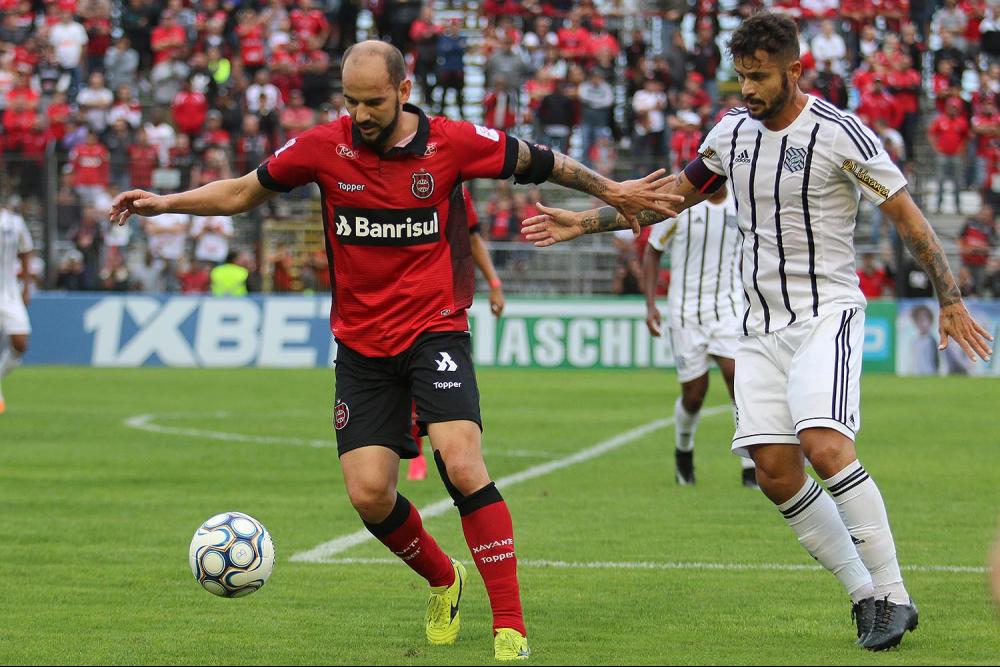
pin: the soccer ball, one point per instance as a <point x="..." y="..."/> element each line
<point x="231" y="555"/>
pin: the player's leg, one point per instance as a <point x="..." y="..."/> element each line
<point x="372" y="418"/>
<point x="443" y="381"/>
<point x="690" y="347"/>
<point x="766" y="431"/>
<point x="722" y="347"/>
<point x="15" y="328"/>
<point x="824" y="398"/>
<point x="416" y="469"/>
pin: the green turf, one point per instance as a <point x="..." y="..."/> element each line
<point x="95" y="519"/>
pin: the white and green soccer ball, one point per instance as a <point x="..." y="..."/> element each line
<point x="231" y="555"/>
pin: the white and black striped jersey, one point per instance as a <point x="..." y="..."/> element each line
<point x="797" y="193"/>
<point x="704" y="264"/>
<point x="14" y="241"/>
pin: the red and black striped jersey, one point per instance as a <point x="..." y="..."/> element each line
<point x="397" y="233"/>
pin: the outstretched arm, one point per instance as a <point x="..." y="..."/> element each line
<point x="628" y="199"/>
<point x="225" y="197"/>
<point x="557" y="225"/>
<point x="923" y="244"/>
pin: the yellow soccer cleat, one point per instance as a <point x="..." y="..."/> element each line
<point x="442" y="609"/>
<point x="510" y="644"/>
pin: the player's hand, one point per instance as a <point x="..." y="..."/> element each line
<point x="553" y="226"/>
<point x="648" y="193"/>
<point x="138" y="202"/>
<point x="654" y="321"/>
<point x="497" y="301"/>
<point x="956" y="322"/>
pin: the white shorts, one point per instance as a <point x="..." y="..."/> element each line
<point x="14" y="317"/>
<point x="803" y="376"/>
<point x="694" y="346"/>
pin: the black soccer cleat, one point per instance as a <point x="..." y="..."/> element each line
<point x="863" y="613"/>
<point x="750" y="478"/>
<point x="685" y="467"/>
<point x="891" y="622"/>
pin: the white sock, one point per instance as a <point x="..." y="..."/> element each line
<point x="863" y="513"/>
<point x="685" y="424"/>
<point x="9" y="360"/>
<point x="813" y="516"/>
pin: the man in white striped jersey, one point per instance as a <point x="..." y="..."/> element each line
<point x="15" y="247"/>
<point x="702" y="312"/>
<point x="797" y="167"/>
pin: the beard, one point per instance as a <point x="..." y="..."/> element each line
<point x="378" y="143"/>
<point x="771" y="110"/>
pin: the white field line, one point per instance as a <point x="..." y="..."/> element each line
<point x="658" y="565"/>
<point x="327" y="550"/>
<point x="146" y="423"/>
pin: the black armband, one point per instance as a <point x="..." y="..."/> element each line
<point x="543" y="161"/>
<point x="702" y="178"/>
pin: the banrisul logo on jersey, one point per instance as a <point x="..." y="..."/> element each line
<point x="392" y="227"/>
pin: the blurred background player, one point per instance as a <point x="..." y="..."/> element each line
<point x="702" y="320"/>
<point x="417" y="467"/>
<point x="15" y="248"/>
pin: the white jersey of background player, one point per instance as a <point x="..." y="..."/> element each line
<point x="15" y="254"/>
<point x="702" y="312"/>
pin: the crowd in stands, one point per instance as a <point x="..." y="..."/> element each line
<point x="137" y="94"/>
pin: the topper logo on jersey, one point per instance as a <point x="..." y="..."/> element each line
<point x="390" y="227"/>
<point x="422" y="186"/>
<point x="795" y="159"/>
<point x="343" y="150"/>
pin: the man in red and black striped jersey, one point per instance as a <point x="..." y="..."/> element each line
<point x="402" y="277"/>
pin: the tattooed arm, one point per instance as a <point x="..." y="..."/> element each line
<point x="629" y="198"/>
<point x="560" y="225"/>
<point x="923" y="244"/>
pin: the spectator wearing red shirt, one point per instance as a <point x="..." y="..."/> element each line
<point x="167" y="38"/>
<point x="574" y="39"/>
<point x="57" y="114"/>
<point x="34" y="143"/>
<point x="296" y="118"/>
<point x="904" y="83"/>
<point x="143" y="159"/>
<point x="214" y="135"/>
<point x="90" y="163"/>
<point x="310" y="25"/>
<point x="878" y="103"/>
<point x="874" y="280"/>
<point x="189" y="110"/>
<point x="194" y="278"/>
<point x="985" y="127"/>
<point x="685" y="139"/>
<point x="600" y="40"/>
<point x="252" y="41"/>
<point x="949" y="134"/>
<point x="976" y="243"/>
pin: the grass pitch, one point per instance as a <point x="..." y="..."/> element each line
<point x="105" y="475"/>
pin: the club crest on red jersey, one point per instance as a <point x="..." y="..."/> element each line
<point x="343" y="150"/>
<point x="422" y="186"/>
<point x="341" y="415"/>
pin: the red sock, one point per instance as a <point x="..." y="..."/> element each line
<point x="403" y="532"/>
<point x="489" y="533"/>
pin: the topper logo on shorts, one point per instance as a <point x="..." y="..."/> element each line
<point x="391" y="227"/>
<point x="341" y="415"/>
